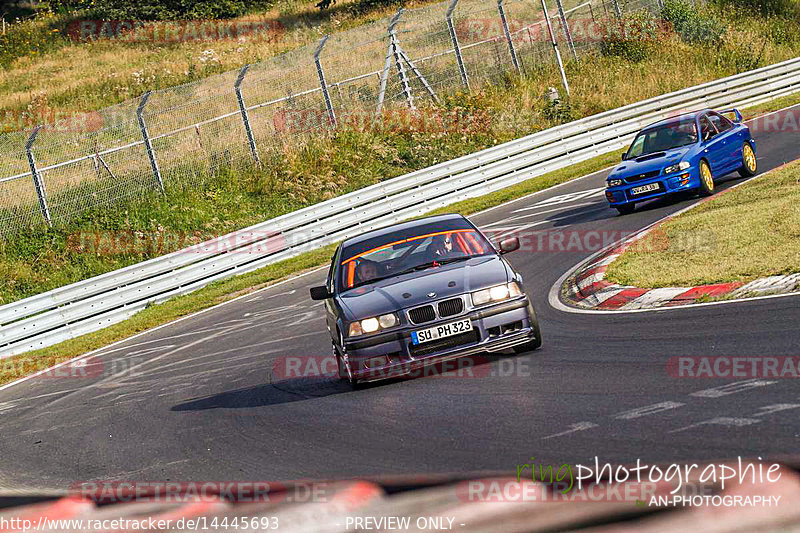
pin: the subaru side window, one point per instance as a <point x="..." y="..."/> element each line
<point x="721" y="123"/>
<point x="707" y="130"/>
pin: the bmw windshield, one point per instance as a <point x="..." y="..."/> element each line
<point x="400" y="252"/>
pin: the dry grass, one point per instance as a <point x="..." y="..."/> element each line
<point x="87" y="76"/>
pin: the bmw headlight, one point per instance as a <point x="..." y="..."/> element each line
<point x="372" y="324"/>
<point x="614" y="183"/>
<point x="683" y="165"/>
<point x="497" y="293"/>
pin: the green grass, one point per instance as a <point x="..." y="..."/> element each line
<point x="746" y="233"/>
<point x="16" y="367"/>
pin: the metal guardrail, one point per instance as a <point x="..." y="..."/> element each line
<point x="67" y="312"/>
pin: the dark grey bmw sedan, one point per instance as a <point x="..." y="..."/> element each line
<point x="422" y="292"/>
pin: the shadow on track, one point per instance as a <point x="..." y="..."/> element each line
<point x="305" y="388"/>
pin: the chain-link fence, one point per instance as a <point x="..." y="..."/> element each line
<point x="177" y="137"/>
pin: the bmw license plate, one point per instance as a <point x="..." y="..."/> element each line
<point x="645" y="188"/>
<point x="438" y="332"/>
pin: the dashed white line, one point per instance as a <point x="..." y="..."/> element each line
<point x="731" y="388"/>
<point x="648" y="410"/>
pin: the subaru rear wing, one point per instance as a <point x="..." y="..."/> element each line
<point x="736" y="114"/>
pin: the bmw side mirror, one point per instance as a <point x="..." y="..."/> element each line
<point x="624" y="156"/>
<point x="320" y="293"/>
<point x="509" y="245"/>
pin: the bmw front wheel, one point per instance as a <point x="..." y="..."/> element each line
<point x="536" y="341"/>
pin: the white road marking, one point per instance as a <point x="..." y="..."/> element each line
<point x="648" y="410"/>
<point x="720" y="421"/>
<point x="731" y="388"/>
<point x="534" y="224"/>
<point x="578" y="426"/>
<point x="776" y="408"/>
<point x="564" y="198"/>
<point x="510" y="219"/>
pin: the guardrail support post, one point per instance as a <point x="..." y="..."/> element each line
<point x="251" y="141"/>
<point x="661" y="4"/>
<point x="456" y="48"/>
<point x="146" y="137"/>
<point x="567" y="32"/>
<point x="38" y="182"/>
<point x="507" y="33"/>
<point x="555" y="47"/>
<point x="398" y="60"/>
<point x="323" y="84"/>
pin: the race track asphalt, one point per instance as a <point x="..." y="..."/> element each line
<point x="203" y="399"/>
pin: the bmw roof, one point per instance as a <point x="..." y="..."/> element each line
<point x="395" y="228"/>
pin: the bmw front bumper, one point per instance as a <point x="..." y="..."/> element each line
<point x="494" y="328"/>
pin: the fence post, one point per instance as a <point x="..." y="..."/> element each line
<point x="38" y="182"/>
<point x="507" y="33"/>
<point x="661" y="4"/>
<point x="398" y="60"/>
<point x="146" y="137"/>
<point x="251" y="141"/>
<point x="323" y="84"/>
<point x="567" y="32"/>
<point x="457" y="49"/>
<point x="384" y="78"/>
<point x="555" y="47"/>
<point x="617" y="9"/>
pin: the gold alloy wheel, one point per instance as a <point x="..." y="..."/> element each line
<point x="705" y="174"/>
<point x="749" y="157"/>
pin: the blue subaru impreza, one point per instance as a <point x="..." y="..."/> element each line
<point x="684" y="153"/>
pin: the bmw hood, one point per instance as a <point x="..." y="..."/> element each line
<point x="649" y="163"/>
<point x="417" y="288"/>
